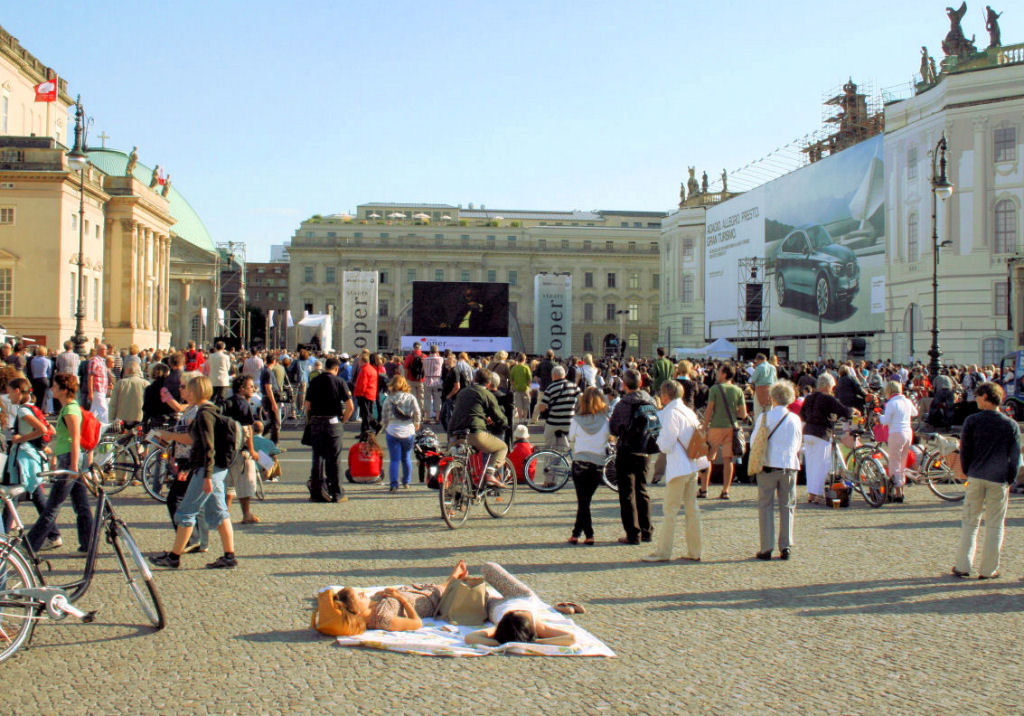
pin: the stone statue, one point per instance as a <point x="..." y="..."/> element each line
<point x="155" y="178"/>
<point x="926" y="67"/>
<point x="682" y="194"/>
<point x="931" y="66"/>
<point x="955" y="43"/>
<point x="992" y="25"/>
<point x="725" y="183"/>
<point x="704" y="183"/>
<point x="691" y="184"/>
<point x="133" y="159"/>
<point x="167" y="186"/>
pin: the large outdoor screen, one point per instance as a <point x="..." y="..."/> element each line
<point x="443" y="308"/>
<point x="821" y="231"/>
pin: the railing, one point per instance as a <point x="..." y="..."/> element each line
<point x="1010" y="55"/>
<point x="413" y="240"/>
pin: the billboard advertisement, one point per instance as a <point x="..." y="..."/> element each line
<point x="460" y="316"/>
<point x="552" y="313"/>
<point x="821" y="231"/>
<point x="358" y="310"/>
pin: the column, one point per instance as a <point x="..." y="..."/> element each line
<point x="980" y="185"/>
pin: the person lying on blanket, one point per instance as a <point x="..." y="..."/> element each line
<point x="515" y="613"/>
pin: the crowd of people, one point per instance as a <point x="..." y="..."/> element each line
<point x="650" y="408"/>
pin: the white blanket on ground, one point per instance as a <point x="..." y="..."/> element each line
<point x="439" y="638"/>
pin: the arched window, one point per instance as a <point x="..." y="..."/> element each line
<point x="992" y="350"/>
<point x="687" y="290"/>
<point x="588" y="342"/>
<point x="913" y="320"/>
<point x="1006" y="228"/>
<point x="913" y="246"/>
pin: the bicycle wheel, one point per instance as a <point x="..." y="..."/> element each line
<point x="122" y="467"/>
<point x="498" y="503"/>
<point x="872" y="482"/>
<point x="259" y="484"/>
<point x="148" y="599"/>
<point x="942" y="480"/>
<point x="18" y="614"/>
<point x="455" y="495"/>
<point x="608" y="474"/>
<point x="546" y="470"/>
<point x="155" y="471"/>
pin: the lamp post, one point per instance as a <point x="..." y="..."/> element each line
<point x="78" y="161"/>
<point x="622" y="313"/>
<point x="941" y="189"/>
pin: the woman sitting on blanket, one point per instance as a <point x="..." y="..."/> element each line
<point x="515" y="614"/>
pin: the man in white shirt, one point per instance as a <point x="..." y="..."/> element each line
<point x="218" y="368"/>
<point x="252" y="367"/>
<point x="67" y="362"/>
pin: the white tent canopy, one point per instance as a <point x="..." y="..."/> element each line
<point x="721" y="348"/>
<point x="318" y="325"/>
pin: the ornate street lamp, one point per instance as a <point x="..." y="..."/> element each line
<point x="942" y="188"/>
<point x="78" y="161"/>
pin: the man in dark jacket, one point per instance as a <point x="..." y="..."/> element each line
<point x="476" y="410"/>
<point x="544" y="369"/>
<point x="849" y="391"/>
<point x="989" y="457"/>
<point x="631" y="465"/>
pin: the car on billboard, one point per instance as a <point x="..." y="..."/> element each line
<point x="811" y="263"/>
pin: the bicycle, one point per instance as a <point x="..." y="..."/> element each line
<point x="24" y="595"/>
<point x="555" y="466"/>
<point x="861" y="470"/>
<point x="932" y="469"/>
<point x="459" y="490"/>
<point x="124" y="450"/>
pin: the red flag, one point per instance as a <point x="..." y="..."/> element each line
<point x="160" y="177"/>
<point x="47" y="91"/>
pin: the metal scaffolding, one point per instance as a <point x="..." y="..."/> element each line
<point x="753" y="299"/>
<point x="231" y="289"/>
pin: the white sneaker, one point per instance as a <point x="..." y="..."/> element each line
<point x="49" y="544"/>
<point x="654" y="558"/>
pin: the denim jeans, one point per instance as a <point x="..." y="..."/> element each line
<point x="175" y="494"/>
<point x="212" y="503"/>
<point x="400" y="452"/>
<point x="326" y="437"/>
<point x="60" y="488"/>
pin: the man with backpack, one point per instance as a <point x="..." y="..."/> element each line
<point x="415" y="372"/>
<point x="635" y="424"/>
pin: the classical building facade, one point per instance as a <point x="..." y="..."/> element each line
<point x="612" y="257"/>
<point x="267" y="290"/>
<point x="20" y="114"/>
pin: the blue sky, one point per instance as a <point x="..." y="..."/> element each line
<point x="265" y="113"/>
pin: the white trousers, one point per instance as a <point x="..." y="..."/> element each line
<point x="816" y="464"/>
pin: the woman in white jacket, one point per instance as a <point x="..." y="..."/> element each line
<point x="898" y="416"/>
<point x="678" y="423"/>
<point x="781" y="463"/>
<point x="588" y="435"/>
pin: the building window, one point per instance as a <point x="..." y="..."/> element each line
<point x="654" y="247"/>
<point x="490" y="242"/>
<point x="196" y="328"/>
<point x="307" y="274"/>
<point x="588" y="244"/>
<point x="588" y="279"/>
<point x="634" y="281"/>
<point x="609" y="312"/>
<point x="73" y="298"/>
<point x="565" y="244"/>
<point x="588" y="312"/>
<point x="6" y="291"/>
<point x="7" y="215"/>
<point x="655" y="281"/>
<point x="464" y="276"/>
<point x="410" y="275"/>
<point x="513" y="308"/>
<point x="4" y="105"/>
<point x="513" y="278"/>
<point x="511" y="242"/>
<point x="383" y="278"/>
<point x="542" y="244"/>
<point x="633" y="342"/>
<point x="611" y="280"/>
<point x="330" y="274"/>
<point x="992" y="350"/>
<point x="686" y="295"/>
<point x="382" y="308"/>
<point x="74" y="222"/>
<point x="1006" y="144"/>
<point x="912" y="164"/>
<point x="688" y="248"/>
<point x="609" y="245"/>
<point x="307" y="308"/>
<point x="588" y="342"/>
<point x="384" y="235"/>
<point x="439" y="274"/>
<point x="382" y="340"/>
<point x="1000" y="294"/>
<point x="687" y="325"/>
<point x="632" y="247"/>
<point x="634" y="312"/>
<point x="96" y="299"/>
<point x="913" y="251"/>
<point x="1006" y="227"/>
<point x="357" y="235"/>
<point x="492" y="275"/>
<point x="464" y="237"/>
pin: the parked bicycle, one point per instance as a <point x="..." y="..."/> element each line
<point x="931" y="467"/>
<point x="860" y="468"/>
<point x="24" y="595"/>
<point x="547" y="470"/>
<point x="462" y="485"/>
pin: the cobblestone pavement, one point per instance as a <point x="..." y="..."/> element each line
<point x="864" y="619"/>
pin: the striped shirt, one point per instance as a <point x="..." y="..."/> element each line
<point x="560" y="397"/>
<point x="99" y="376"/>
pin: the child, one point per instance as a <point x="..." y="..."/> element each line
<point x="521" y="449"/>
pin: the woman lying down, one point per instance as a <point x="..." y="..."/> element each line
<point x="514" y="614"/>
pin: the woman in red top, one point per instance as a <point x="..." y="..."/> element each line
<point x="366" y="390"/>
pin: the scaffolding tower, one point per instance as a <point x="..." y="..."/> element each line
<point x="857" y="115"/>
<point x="754" y="299"/>
<point x="231" y="290"/>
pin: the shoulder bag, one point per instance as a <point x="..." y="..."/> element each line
<point x="759" y="447"/>
<point x="739" y="441"/>
<point x="698" y="445"/>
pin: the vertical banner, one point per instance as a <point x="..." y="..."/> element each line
<point x="358" y="311"/>
<point x="552" y="314"/>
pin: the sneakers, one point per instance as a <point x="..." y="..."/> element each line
<point x="193" y="547"/>
<point x="167" y="559"/>
<point x="49" y="544"/>
<point x="224" y="562"/>
<point x="654" y="558"/>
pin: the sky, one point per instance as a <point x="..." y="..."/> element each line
<point x="265" y="113"/>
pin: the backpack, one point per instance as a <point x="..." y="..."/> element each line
<point x="90" y="434"/>
<point x="416" y="368"/>
<point x="228" y="439"/>
<point x="644" y="428"/>
<point x="49" y="432"/>
<point x="399" y="413"/>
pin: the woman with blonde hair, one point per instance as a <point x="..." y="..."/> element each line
<point x="401" y="416"/>
<point x="591" y="375"/>
<point x="898" y="416"/>
<point x="588" y="435"/>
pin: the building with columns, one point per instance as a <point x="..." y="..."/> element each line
<point x="611" y="255"/>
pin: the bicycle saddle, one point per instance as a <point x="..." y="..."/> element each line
<point x="12" y="492"/>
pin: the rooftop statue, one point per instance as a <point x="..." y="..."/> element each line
<point x="704" y="183"/>
<point x="682" y="194"/>
<point x="692" y="187"/>
<point x="955" y="43"/>
<point x="992" y="25"/>
<point x="928" y="75"/>
<point x="133" y="159"/>
<point x="154" y="179"/>
<point x="725" y="183"/>
<point x="167" y="186"/>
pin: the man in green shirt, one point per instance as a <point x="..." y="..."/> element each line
<point x="762" y="379"/>
<point x="519" y="377"/>
<point x="661" y="371"/>
<point x="724" y="399"/>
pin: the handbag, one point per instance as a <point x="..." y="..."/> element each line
<point x="759" y="447"/>
<point x="698" y="444"/>
<point x="739" y="440"/>
<point x="464" y="601"/>
<point x="327" y="616"/>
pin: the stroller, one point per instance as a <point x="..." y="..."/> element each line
<point x="429" y="456"/>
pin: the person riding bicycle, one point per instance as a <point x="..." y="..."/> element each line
<point x="477" y="415"/>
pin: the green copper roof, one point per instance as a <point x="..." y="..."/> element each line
<point x="188" y="224"/>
